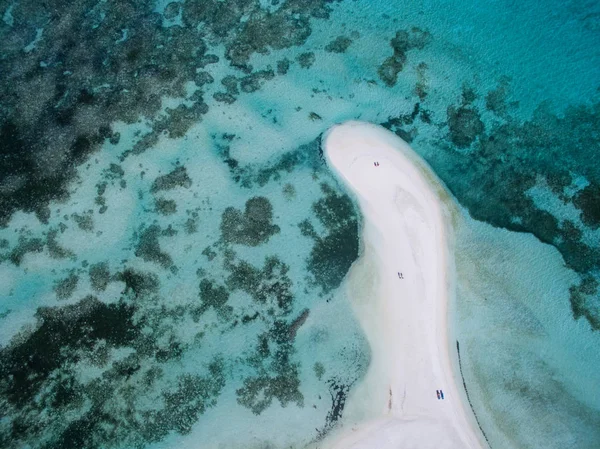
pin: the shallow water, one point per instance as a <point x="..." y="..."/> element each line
<point x="172" y="244"/>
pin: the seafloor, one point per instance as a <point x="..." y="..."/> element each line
<point x="172" y="244"/>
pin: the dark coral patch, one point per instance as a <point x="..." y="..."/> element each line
<point x="202" y="78"/>
<point x="333" y="253"/>
<point x="172" y="10"/>
<point x="306" y="155"/>
<point x="164" y="206"/>
<point x="55" y="250"/>
<point x="54" y="115"/>
<point x="61" y="332"/>
<point x="179" y="120"/>
<point x="208" y="59"/>
<point x="251" y="227"/>
<point x="332" y="257"/>
<point x="148" y="247"/>
<point x="508" y="157"/>
<point x="254" y="81"/>
<point x="389" y="69"/>
<point x="277" y="375"/>
<point x="191" y="397"/>
<point x="223" y="97"/>
<point x="297" y="323"/>
<point x="334" y="210"/>
<point x="283" y="66"/>
<point x="215" y="296"/>
<point x="495" y="100"/>
<point x="258" y="392"/>
<point x="403" y="42"/>
<point x="288" y="26"/>
<point x="339" y="393"/>
<point x="306" y="60"/>
<point x="398" y="124"/>
<point x="230" y="83"/>
<point x="85" y="221"/>
<point x="138" y="283"/>
<point x="99" y="276"/>
<point x="465" y="125"/>
<point x="178" y="408"/>
<point x="64" y="288"/>
<point x="339" y="45"/>
<point x="177" y="178"/>
<point x="24" y="246"/>
<point x="582" y="301"/>
<point x="588" y="201"/>
<point x="270" y="285"/>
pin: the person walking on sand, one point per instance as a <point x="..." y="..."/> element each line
<point x="437" y="392"/>
<point x="442" y="394"/>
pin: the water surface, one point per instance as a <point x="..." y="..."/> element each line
<point x="172" y="245"/>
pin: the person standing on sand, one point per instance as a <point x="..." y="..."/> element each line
<point x="437" y="392"/>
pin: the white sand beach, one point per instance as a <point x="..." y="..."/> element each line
<point x="400" y="288"/>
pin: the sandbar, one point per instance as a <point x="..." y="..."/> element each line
<point x="400" y="289"/>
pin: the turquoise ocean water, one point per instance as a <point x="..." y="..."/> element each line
<point x="173" y="247"/>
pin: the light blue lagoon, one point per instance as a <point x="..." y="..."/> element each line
<point x="173" y="248"/>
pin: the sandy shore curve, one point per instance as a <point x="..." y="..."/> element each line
<point x="400" y="288"/>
